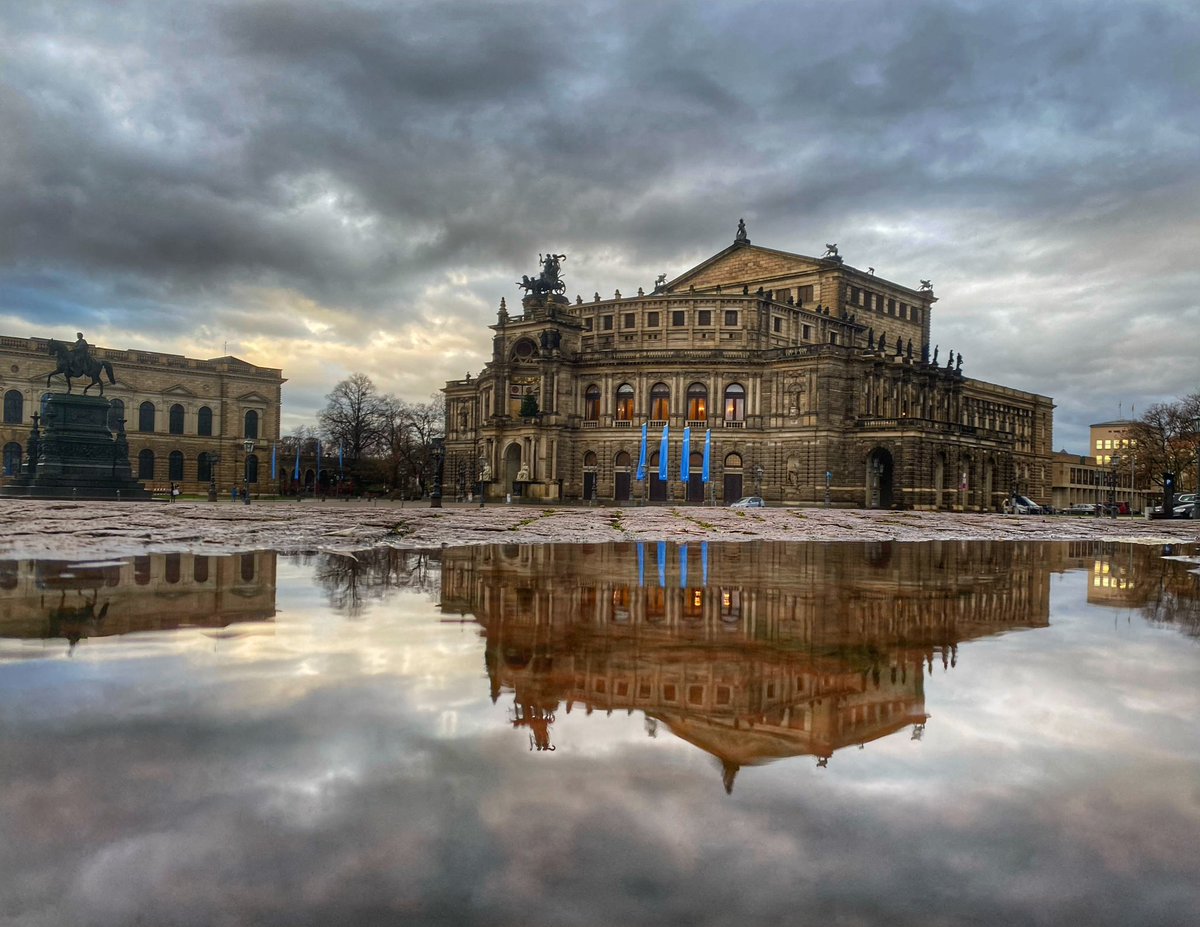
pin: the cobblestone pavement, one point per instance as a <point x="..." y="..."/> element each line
<point x="82" y="530"/>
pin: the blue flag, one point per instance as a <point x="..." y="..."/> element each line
<point x="683" y="566"/>
<point x="272" y="461"/>
<point x="641" y="564"/>
<point x="662" y="455"/>
<point x="704" y="562"/>
<point x="704" y="474"/>
<point x="685" y="455"/>
<point x="662" y="564"/>
<point x="641" y="470"/>
<point x="296" y="475"/>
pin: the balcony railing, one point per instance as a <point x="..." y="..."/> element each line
<point x="622" y="423"/>
<point x="730" y="423"/>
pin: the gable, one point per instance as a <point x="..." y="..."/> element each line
<point x="744" y="264"/>
<point x="179" y="390"/>
<point x="253" y="397"/>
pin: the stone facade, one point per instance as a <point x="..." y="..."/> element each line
<point x="812" y="377"/>
<point x="179" y="412"/>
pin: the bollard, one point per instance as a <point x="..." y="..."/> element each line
<point x="508" y="498"/>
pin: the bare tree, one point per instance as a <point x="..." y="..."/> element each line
<point x="1167" y="439"/>
<point x="354" y="416"/>
<point x="407" y="444"/>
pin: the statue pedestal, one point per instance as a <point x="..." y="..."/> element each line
<point x="77" y="456"/>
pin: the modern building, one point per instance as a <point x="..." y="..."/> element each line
<point x="816" y="381"/>
<point x="187" y="420"/>
<point x="1109" y="475"/>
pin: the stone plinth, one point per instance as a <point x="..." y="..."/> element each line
<point x="75" y="455"/>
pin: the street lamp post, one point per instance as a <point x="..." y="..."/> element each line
<point x="248" y="445"/>
<point x="758" y="475"/>
<point x="213" y="460"/>
<point x="484" y="474"/>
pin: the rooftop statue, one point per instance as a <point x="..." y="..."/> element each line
<point x="831" y="250"/>
<point x="741" y="231"/>
<point x="926" y="286"/>
<point x="548" y="282"/>
<point x="76" y="362"/>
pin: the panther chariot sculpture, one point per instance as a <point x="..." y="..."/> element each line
<point x="548" y="284"/>
<point x="77" y="362"/>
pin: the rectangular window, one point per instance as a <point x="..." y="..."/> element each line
<point x="652" y="320"/>
<point x="678" y="318"/>
<point x="704" y="317"/>
<point x="589" y="324"/>
<point x="777" y="324"/>
<point x="891" y="307"/>
<point x="916" y="314"/>
<point x="806" y="333"/>
<point x="855" y="296"/>
<point x="629" y="320"/>
<point x="804" y="294"/>
<point x="731" y="317"/>
<point x="606" y="323"/>
<point x="1099" y="445"/>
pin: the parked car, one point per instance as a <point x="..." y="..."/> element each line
<point x="749" y="502"/>
<point x="1183" y="500"/>
<point x="1023" y="505"/>
<point x="1083" y="508"/>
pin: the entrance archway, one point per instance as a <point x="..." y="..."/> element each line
<point x="622" y="478"/>
<point x="879" y="479"/>
<point x="939" y="480"/>
<point x="733" y="478"/>
<point x="658" y="488"/>
<point x="695" y="487"/>
<point x="589" y="476"/>
<point x="512" y="465"/>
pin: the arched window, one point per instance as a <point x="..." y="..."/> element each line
<point x="14" y="407"/>
<point x="142" y="570"/>
<point x="175" y="466"/>
<point x="251" y="424"/>
<point x="204" y="422"/>
<point x="203" y="468"/>
<point x="146" y="416"/>
<point x="252" y="468"/>
<point x="12" y="458"/>
<point x="733" y="461"/>
<point x="697" y="402"/>
<point x="116" y="415"/>
<point x="589" y="459"/>
<point x="591" y="404"/>
<point x="171" y="567"/>
<point x="660" y="402"/>
<point x="735" y="403"/>
<point x="247" y="567"/>
<point x="175" y="420"/>
<point x="622" y="460"/>
<point x="200" y="569"/>
<point x="624" y="403"/>
<point x="146" y="464"/>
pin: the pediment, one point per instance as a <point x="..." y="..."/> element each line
<point x="744" y="264"/>
<point x="253" y="396"/>
<point x="179" y="390"/>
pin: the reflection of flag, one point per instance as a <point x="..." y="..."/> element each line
<point x="662" y="563"/>
<point x="704" y="561"/>
<point x="296" y="475"/>
<point x="662" y="455"/>
<point x="641" y="470"/>
<point x="707" y="455"/>
<point x="272" y="461"/>
<point x="683" y="566"/>
<point x="641" y="564"/>
<point x="685" y="456"/>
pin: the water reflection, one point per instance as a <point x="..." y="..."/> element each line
<point x="156" y="592"/>
<point x="751" y="652"/>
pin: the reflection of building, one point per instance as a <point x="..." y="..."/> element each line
<point x="55" y="598"/>
<point x="750" y="651"/>
<point x="179" y="412"/>
<point x="799" y="366"/>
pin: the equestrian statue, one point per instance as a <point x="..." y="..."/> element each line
<point x="77" y="362"/>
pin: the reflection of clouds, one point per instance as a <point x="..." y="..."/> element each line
<point x="176" y="783"/>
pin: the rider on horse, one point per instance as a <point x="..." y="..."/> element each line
<point x="79" y="356"/>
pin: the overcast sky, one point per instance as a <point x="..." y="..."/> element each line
<point x="341" y="187"/>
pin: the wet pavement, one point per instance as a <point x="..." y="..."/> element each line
<point x="941" y="732"/>
<point x="34" y="529"/>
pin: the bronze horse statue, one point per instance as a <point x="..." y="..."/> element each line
<point x="91" y="367"/>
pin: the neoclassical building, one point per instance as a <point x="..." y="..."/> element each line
<point x="817" y="380"/>
<point x="187" y="420"/>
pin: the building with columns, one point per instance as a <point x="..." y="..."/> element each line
<point x="187" y="420"/>
<point x="816" y="380"/>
